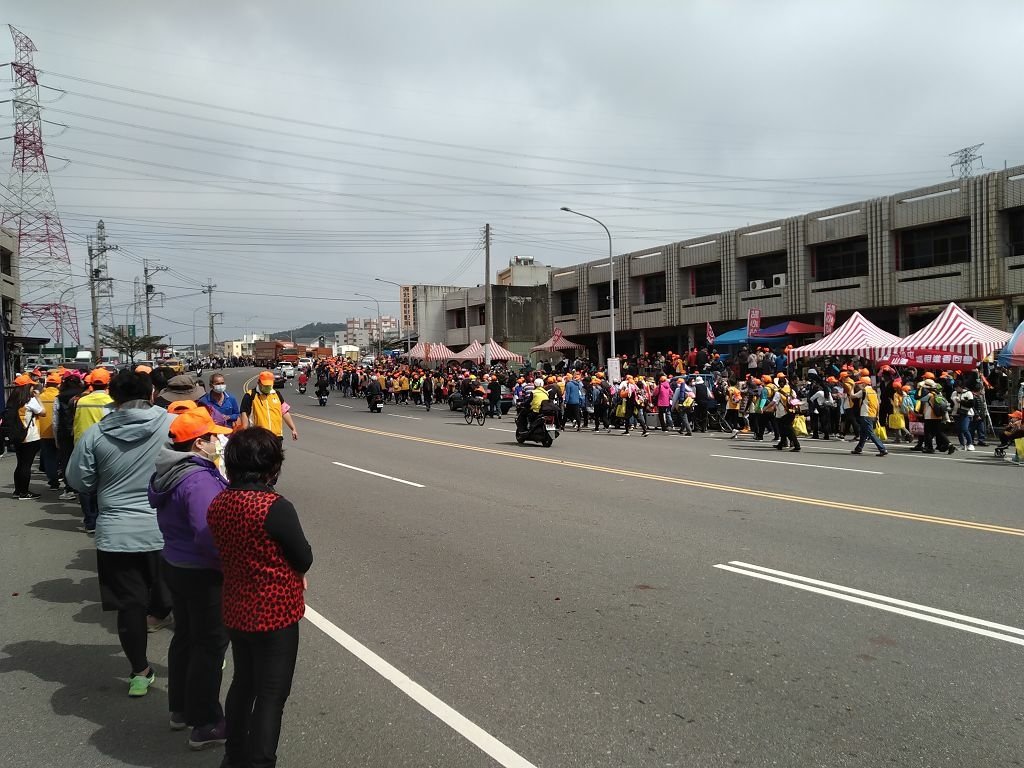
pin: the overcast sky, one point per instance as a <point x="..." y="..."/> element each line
<point x="305" y="148"/>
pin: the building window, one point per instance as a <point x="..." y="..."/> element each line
<point x="706" y="280"/>
<point x="457" y="319"/>
<point x="1015" y="219"/>
<point x="481" y="315"/>
<point x="567" y="302"/>
<point x="7" y="262"/>
<point x="652" y="289"/>
<point x="838" y="261"/>
<point x="600" y="296"/>
<point x="935" y="246"/>
<point x="765" y="267"/>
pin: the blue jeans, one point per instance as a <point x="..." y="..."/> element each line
<point x="963" y="425"/>
<point x="90" y="509"/>
<point x="50" y="461"/>
<point x="867" y="432"/>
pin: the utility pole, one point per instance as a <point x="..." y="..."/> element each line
<point x="96" y="345"/>
<point x="147" y="272"/>
<point x="488" y="314"/>
<point x="100" y="284"/>
<point x="209" y="302"/>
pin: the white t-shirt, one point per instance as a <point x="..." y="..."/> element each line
<point x="33" y="409"/>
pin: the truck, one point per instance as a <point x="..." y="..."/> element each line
<point x="321" y="352"/>
<point x="288" y="353"/>
<point x="267" y="353"/>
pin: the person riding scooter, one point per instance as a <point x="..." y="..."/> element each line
<point x="323" y="387"/>
<point x="374" y="395"/>
<point x="303" y="381"/>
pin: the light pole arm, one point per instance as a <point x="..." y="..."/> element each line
<point x="611" y="276"/>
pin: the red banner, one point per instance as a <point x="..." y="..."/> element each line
<point x="753" y="321"/>
<point x="710" y="335"/>
<point x="935" y="359"/>
<point x="830" y="318"/>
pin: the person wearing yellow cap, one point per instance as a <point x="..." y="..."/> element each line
<point x="47" y="443"/>
<point x="265" y="407"/>
<point x="21" y="429"/>
<point x="181" y="490"/>
<point x="89" y="410"/>
<point x="865" y="399"/>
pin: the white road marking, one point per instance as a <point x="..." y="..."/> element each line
<point x="378" y="474"/>
<point x="469" y="730"/>
<point x="981" y="457"/>
<point x="881" y="602"/>
<point x="797" y="464"/>
<point x="400" y="416"/>
<point x="342" y="405"/>
<point x="499" y="429"/>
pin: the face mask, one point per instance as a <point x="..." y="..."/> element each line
<point x="266" y="389"/>
<point x="208" y="450"/>
<point x="220" y="389"/>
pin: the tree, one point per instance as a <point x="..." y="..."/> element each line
<point x="123" y="339"/>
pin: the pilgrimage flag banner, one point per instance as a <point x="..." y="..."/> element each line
<point x="753" y="321"/>
<point x="830" y="318"/>
<point x="710" y="335"/>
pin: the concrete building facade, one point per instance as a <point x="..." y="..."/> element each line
<point x="897" y="259"/>
<point x="10" y="295"/>
<point x="422" y="310"/>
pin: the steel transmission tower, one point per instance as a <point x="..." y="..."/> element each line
<point x="47" y="296"/>
<point x="964" y="159"/>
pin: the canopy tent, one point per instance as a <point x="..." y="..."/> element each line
<point x="1013" y="352"/>
<point x="789" y="328"/>
<point x="557" y="343"/>
<point x="953" y="332"/>
<point x="430" y="352"/>
<point x="477" y="351"/>
<point x="739" y="336"/>
<point x="857" y="336"/>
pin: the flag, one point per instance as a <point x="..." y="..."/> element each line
<point x="753" y="321"/>
<point x="710" y="335"/>
<point x="830" y="318"/>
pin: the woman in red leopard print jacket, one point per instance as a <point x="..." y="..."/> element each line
<point x="265" y="556"/>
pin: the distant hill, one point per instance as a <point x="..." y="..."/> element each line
<point x="310" y="331"/>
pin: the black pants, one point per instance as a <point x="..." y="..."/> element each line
<point x="264" y="666"/>
<point x="821" y="421"/>
<point x="932" y="432"/>
<point x="197" y="649"/>
<point x="759" y="420"/>
<point x="786" y="431"/>
<point x="631" y="411"/>
<point x="600" y="416"/>
<point x="573" y="414"/>
<point x="664" y="417"/>
<point x="26" y="453"/>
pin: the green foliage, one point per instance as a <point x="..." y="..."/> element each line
<point x="116" y="337"/>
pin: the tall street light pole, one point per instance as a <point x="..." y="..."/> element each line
<point x="611" y="275"/>
<point x="195" y="349"/>
<point x="399" y="286"/>
<point x="380" y="331"/>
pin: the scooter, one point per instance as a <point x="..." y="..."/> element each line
<point x="302" y="389"/>
<point x="376" y="404"/>
<point x="321" y="397"/>
<point x="535" y="429"/>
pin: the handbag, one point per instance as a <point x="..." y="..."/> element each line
<point x="620" y="410"/>
<point x="896" y="421"/>
<point x="881" y="434"/>
<point x="800" y="426"/>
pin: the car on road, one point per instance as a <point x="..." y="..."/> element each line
<point x="456" y="403"/>
<point x="289" y="370"/>
<point x="174" y="364"/>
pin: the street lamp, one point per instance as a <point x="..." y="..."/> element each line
<point x="380" y="331"/>
<point x="611" y="272"/>
<point x="399" y="286"/>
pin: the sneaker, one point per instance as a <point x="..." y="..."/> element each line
<point x="882" y="453"/>
<point x="178" y="721"/>
<point x="53" y="487"/>
<point x="138" y="685"/>
<point x="68" y="496"/>
<point x="208" y="736"/>
<point x="794" y="450"/>
<point x="153" y="624"/>
<point x="28" y="496"/>
<point x="951" y="450"/>
<point x="855" y="452"/>
<point x="970" y="447"/>
<point x="735" y="434"/>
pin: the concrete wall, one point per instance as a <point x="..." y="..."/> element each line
<point x="10" y="291"/>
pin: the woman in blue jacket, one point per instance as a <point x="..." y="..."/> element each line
<point x="185" y="482"/>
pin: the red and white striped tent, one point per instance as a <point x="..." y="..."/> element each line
<point x="476" y="351"/>
<point x="430" y="352"/>
<point x="858" y="337"/>
<point x="557" y="343"/>
<point x="953" y="331"/>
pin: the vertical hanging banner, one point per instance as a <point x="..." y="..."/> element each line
<point x="753" y="321"/>
<point x="830" y="318"/>
<point x="710" y="335"/>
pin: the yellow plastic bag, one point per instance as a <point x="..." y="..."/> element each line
<point x="800" y="426"/>
<point x="1019" y="445"/>
<point x="881" y="434"/>
<point x="620" y="411"/>
<point x="896" y="421"/>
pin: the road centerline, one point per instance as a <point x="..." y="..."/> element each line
<point x="378" y="474"/>
<point x="795" y="464"/>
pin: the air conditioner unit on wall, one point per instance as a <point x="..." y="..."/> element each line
<point x="779" y="280"/>
<point x="757" y="285"/>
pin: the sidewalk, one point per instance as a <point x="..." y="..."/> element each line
<point x="62" y="672"/>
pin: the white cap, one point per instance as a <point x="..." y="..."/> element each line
<point x="538" y="382"/>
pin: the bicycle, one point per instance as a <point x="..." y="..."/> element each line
<point x="473" y="411"/>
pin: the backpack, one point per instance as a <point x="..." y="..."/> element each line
<point x="940" y="405"/>
<point x="12" y="427"/>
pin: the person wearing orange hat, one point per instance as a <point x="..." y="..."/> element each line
<point x="933" y="409"/>
<point x="264" y="407"/>
<point x="89" y="409"/>
<point x="48" y="456"/>
<point x="21" y="429"/>
<point x="181" y="490"/>
<point x="865" y="400"/>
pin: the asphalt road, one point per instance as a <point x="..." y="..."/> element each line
<point x="480" y="603"/>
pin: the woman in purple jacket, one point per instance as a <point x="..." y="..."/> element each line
<point x="185" y="482"/>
